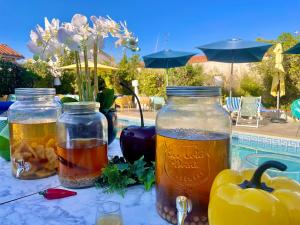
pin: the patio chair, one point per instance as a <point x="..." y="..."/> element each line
<point x="128" y="101"/>
<point x="249" y="108"/>
<point x="145" y="103"/>
<point x="124" y="102"/>
<point x="120" y="102"/>
<point x="232" y="104"/>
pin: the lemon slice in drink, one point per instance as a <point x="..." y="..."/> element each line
<point x="110" y="220"/>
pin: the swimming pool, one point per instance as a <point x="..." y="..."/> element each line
<point x="250" y="150"/>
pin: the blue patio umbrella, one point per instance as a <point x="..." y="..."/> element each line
<point x="235" y="51"/>
<point x="294" y="50"/>
<point x="167" y="59"/>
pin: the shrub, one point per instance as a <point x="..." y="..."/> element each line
<point x="250" y="86"/>
<point x="152" y="82"/>
<point x="44" y="79"/>
<point x="14" y="76"/>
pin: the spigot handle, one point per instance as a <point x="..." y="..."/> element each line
<point x="183" y="206"/>
<point x="22" y="167"/>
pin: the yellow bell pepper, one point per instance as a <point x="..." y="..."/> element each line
<point x="253" y="198"/>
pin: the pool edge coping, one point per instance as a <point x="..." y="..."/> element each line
<point x="232" y="131"/>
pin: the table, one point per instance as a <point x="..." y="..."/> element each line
<point x="138" y="206"/>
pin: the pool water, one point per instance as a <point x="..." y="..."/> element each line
<point x="251" y="150"/>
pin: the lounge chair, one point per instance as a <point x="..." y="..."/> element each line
<point x="232" y="105"/>
<point x="157" y="101"/>
<point x="4" y="107"/>
<point x="295" y="109"/>
<point x="249" y="108"/>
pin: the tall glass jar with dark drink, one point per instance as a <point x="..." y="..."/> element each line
<point x="193" y="141"/>
<point x="32" y="125"/>
<point x="81" y="144"/>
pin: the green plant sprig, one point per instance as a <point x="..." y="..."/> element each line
<point x="118" y="175"/>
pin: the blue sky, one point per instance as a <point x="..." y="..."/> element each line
<point x="176" y="24"/>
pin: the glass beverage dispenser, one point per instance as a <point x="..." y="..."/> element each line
<point x="193" y="141"/>
<point x="32" y="125"/>
<point x="81" y="144"/>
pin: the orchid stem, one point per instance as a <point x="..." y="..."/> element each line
<point x="95" y="53"/>
<point x="87" y="76"/>
<point x="78" y="78"/>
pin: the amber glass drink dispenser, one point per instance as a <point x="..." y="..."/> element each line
<point x="193" y="140"/>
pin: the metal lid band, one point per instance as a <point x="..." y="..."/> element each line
<point x="194" y="91"/>
<point x="70" y="106"/>
<point x="35" y="91"/>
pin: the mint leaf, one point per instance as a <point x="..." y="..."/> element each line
<point x="118" y="175"/>
<point x="139" y="167"/>
<point x="148" y="178"/>
<point x="122" y="166"/>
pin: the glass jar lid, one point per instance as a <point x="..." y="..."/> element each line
<point x="35" y="91"/>
<point x="70" y="106"/>
<point x="194" y="91"/>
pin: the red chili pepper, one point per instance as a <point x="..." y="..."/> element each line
<point x="55" y="193"/>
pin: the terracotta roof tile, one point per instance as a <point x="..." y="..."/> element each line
<point x="5" y="50"/>
<point x="197" y="59"/>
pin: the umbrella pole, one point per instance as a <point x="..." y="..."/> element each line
<point x="167" y="77"/>
<point x="278" y="97"/>
<point x="277" y="118"/>
<point x="230" y="80"/>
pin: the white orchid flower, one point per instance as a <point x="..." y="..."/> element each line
<point x="77" y="34"/>
<point x="79" y="20"/>
<point x="54" y="66"/>
<point x="52" y="27"/>
<point x="34" y="48"/>
<point x="66" y="35"/>
<point x="44" y="42"/>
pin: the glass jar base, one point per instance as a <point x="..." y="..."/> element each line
<point x="171" y="216"/>
<point x="77" y="182"/>
<point x="36" y="175"/>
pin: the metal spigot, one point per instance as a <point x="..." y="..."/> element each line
<point x="22" y="167"/>
<point x="183" y="206"/>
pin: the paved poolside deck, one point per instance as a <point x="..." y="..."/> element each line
<point x="287" y="130"/>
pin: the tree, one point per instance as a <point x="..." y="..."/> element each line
<point x="67" y="83"/>
<point x="126" y="73"/>
<point x="187" y="76"/>
<point x="152" y="82"/>
<point x="44" y="78"/>
<point x="14" y="76"/>
<point x="291" y="64"/>
<point x="250" y="86"/>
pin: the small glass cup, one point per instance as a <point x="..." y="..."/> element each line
<point x="109" y="213"/>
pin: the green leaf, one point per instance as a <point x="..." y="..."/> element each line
<point x="148" y="179"/>
<point x="122" y="166"/>
<point x="130" y="181"/>
<point x="68" y="99"/>
<point x="117" y="176"/>
<point x="138" y="166"/>
<point x="106" y="99"/>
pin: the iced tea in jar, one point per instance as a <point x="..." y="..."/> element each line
<point x="32" y="125"/>
<point x="81" y="144"/>
<point x="192" y="147"/>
